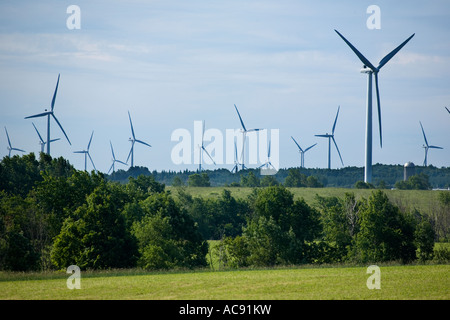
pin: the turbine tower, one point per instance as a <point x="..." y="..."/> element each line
<point x="86" y="154"/>
<point x="426" y="146"/>
<point x="201" y="149"/>
<point x="41" y="141"/>
<point x="302" y="152"/>
<point x="236" y="160"/>
<point x="370" y="69"/>
<point x="133" y="140"/>
<point x="10" y="147"/>
<point x="244" y="133"/>
<point x="114" y="160"/>
<point x="48" y="114"/>
<point x="331" y="137"/>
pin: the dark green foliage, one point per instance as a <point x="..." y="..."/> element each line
<point x="296" y="179"/>
<point x="199" y="180"/>
<point x="416" y="182"/>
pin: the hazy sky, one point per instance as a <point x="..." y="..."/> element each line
<point x="170" y="63"/>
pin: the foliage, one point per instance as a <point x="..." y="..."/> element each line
<point x="199" y="180"/>
<point x="296" y="179"/>
<point x="416" y="182"/>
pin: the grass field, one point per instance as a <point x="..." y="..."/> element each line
<point x="305" y="283"/>
<point x="423" y="200"/>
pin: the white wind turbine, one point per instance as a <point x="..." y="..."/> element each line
<point x="244" y="131"/>
<point x="114" y="160"/>
<point x="370" y="69"/>
<point x="331" y="137"/>
<point x="48" y="114"/>
<point x="86" y="154"/>
<point x="133" y="140"/>
<point x="202" y="149"/>
<point x="426" y="146"/>
<point x="236" y="160"/>
<point x="10" y="147"/>
<point x="302" y="152"/>
<point x="268" y="164"/>
<point x="41" y="141"/>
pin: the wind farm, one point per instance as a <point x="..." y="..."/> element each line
<point x="216" y="151"/>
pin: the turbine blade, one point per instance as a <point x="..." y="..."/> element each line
<point x="131" y="150"/>
<point x="143" y="142"/>
<point x="338" y="150"/>
<point x="92" y="161"/>
<point x="121" y="162"/>
<point x="132" y="130"/>
<point x="322" y="135"/>
<point x="426" y="142"/>
<point x="209" y="155"/>
<point x="447" y="109"/>
<point x="379" y="108"/>
<point x="7" y="135"/>
<point x="42" y="140"/>
<point x="110" y="168"/>
<point x="54" y="94"/>
<point x="297" y="144"/>
<point x="89" y="144"/>
<point x="79" y="152"/>
<point x="39" y="115"/>
<point x="18" y="149"/>
<point x="310" y="147"/>
<point x="250" y="130"/>
<point x="360" y="56"/>
<point x="393" y="52"/>
<point x="59" y="124"/>
<point x="335" y="120"/>
<point x="242" y="122"/>
<point x="112" y="151"/>
<point x="53" y="140"/>
<point x="435" y="147"/>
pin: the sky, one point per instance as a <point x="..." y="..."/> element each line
<point x="172" y="63"/>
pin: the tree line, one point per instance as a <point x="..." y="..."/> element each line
<point x="53" y="216"/>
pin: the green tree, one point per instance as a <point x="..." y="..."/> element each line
<point x="96" y="236"/>
<point x="250" y="180"/>
<point x="199" y="180"/>
<point x="385" y="233"/>
<point x="295" y="179"/>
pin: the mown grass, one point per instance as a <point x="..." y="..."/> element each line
<point x="305" y="283"/>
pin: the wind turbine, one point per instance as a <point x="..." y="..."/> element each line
<point x="114" y="159"/>
<point x="133" y="140"/>
<point x="267" y="164"/>
<point x="331" y="137"/>
<point x="86" y="154"/>
<point x="201" y="149"/>
<point x="244" y="133"/>
<point x="11" y="148"/>
<point x="370" y="69"/>
<point x="48" y="114"/>
<point x="426" y="146"/>
<point x="41" y="141"/>
<point x="302" y="152"/>
<point x="236" y="160"/>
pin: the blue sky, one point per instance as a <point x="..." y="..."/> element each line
<point x="171" y="63"/>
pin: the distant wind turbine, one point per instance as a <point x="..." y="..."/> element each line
<point x="236" y="160"/>
<point x="244" y="133"/>
<point x="86" y="154"/>
<point x="201" y="149"/>
<point x="370" y="69"/>
<point x="267" y="164"/>
<point x="10" y="147"/>
<point x="114" y="160"/>
<point x="48" y="114"/>
<point x="426" y="146"/>
<point x="133" y="140"/>
<point x="331" y="137"/>
<point x="41" y="141"/>
<point x="302" y="152"/>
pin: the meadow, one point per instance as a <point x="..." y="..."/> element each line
<point x="422" y="282"/>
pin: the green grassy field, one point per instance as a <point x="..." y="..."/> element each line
<point x="305" y="283"/>
<point x="423" y="200"/>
